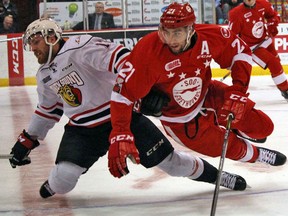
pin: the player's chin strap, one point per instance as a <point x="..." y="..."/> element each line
<point x="50" y="47"/>
<point x="191" y="32"/>
<point x="50" y="53"/>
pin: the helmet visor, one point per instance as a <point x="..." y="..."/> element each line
<point x="29" y="40"/>
<point x="176" y="34"/>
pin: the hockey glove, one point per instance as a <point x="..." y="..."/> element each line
<point x="153" y="103"/>
<point x="121" y="147"/>
<point x="235" y="103"/>
<point x="21" y="150"/>
<point x="272" y="27"/>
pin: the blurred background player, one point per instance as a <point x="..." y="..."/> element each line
<point x="255" y="21"/>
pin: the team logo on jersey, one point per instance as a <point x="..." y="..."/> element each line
<point x="258" y="29"/>
<point x="72" y="78"/>
<point x="118" y="85"/>
<point x="172" y="65"/>
<point x="65" y="88"/>
<point x="247" y="15"/>
<point x="225" y="32"/>
<point x="71" y="95"/>
<point x="188" y="91"/>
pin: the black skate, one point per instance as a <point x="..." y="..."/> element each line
<point x="233" y="181"/>
<point x="243" y="136"/>
<point x="45" y="190"/>
<point x="285" y="94"/>
<point x="268" y="156"/>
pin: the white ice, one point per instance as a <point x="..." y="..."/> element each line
<point x="144" y="191"/>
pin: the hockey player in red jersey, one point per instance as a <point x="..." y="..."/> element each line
<point x="255" y="21"/>
<point x="76" y="77"/>
<point x="176" y="62"/>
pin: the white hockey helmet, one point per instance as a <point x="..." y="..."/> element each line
<point x="45" y="27"/>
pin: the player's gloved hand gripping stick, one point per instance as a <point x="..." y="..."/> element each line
<point x="234" y="103"/>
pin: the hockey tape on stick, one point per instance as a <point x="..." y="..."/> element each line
<point x="221" y="164"/>
<point x="9" y="156"/>
<point x="258" y="45"/>
<point x="224" y="77"/>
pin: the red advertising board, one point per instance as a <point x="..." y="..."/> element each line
<point x="15" y="60"/>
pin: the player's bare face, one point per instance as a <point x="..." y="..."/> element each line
<point x="175" y="38"/>
<point x="39" y="47"/>
<point x="250" y="2"/>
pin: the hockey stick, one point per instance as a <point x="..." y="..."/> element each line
<point x="249" y="138"/>
<point x="9" y="156"/>
<point x="221" y="164"/>
<point x="256" y="47"/>
<point x="224" y="77"/>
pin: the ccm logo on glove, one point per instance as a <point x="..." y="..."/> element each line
<point x="238" y="98"/>
<point x="125" y="137"/>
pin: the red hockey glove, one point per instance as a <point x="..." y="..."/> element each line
<point x="272" y="27"/>
<point x="21" y="150"/>
<point x="121" y="147"/>
<point x="235" y="103"/>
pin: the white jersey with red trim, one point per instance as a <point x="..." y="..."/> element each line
<point x="78" y="82"/>
<point x="250" y="22"/>
<point x="184" y="77"/>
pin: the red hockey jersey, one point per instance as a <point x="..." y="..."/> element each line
<point x="250" y="23"/>
<point x="184" y="77"/>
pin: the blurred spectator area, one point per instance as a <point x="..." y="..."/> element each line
<point x="281" y="6"/>
<point x="27" y="12"/>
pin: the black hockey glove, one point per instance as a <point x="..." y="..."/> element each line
<point x="153" y="103"/>
<point x="21" y="150"/>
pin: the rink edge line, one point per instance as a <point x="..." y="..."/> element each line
<point x="145" y="203"/>
<point x="217" y="73"/>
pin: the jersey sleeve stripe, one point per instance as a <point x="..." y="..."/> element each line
<point x="59" y="105"/>
<point x="51" y="117"/>
<point x="54" y="112"/>
<point x="117" y="56"/>
<point x="242" y="57"/>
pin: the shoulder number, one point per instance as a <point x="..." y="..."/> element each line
<point x="237" y="43"/>
<point x="127" y="71"/>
